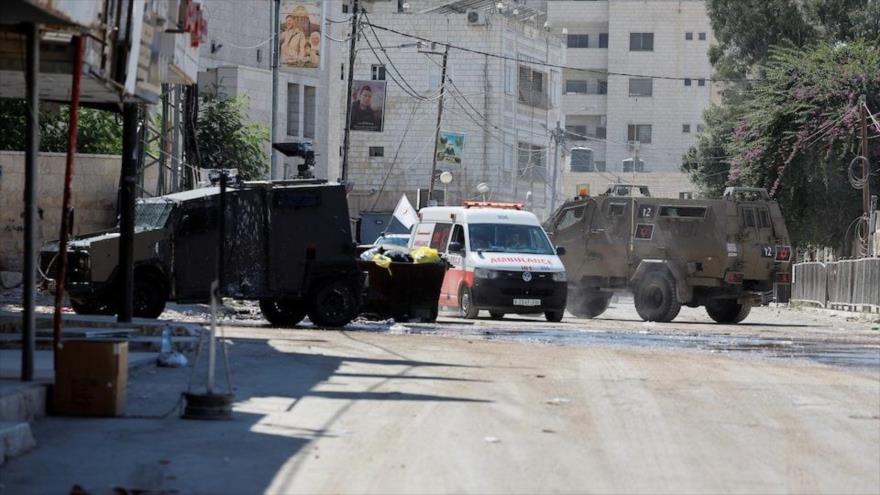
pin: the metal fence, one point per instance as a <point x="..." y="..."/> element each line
<point x="847" y="284"/>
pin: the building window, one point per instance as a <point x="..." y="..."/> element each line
<point x="293" y="109"/>
<point x="687" y="82"/>
<point x="700" y="127"/>
<point x="344" y="8"/>
<point x="600" y="166"/>
<point x="530" y="160"/>
<point x="532" y="90"/>
<point x="301" y="110"/>
<point x="572" y="86"/>
<point x="600" y="132"/>
<point x="578" y="40"/>
<point x="377" y="151"/>
<point x="509" y="78"/>
<point x="641" y="87"/>
<point x="702" y="36"/>
<point x="378" y="72"/>
<point x="685" y="128"/>
<point x="603" y="87"/>
<point x="633" y="165"/>
<point x="603" y="40"/>
<point x="639" y="132"/>
<point x="701" y="82"/>
<point x="641" y="42"/>
<point x="689" y="36"/>
<point x="576" y="132"/>
<point x="310" y="106"/>
<point x="582" y="160"/>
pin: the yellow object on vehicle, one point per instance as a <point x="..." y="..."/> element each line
<point x="425" y="254"/>
<point x="382" y="261"/>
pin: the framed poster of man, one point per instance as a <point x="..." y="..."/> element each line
<point x="299" y="36"/>
<point x="367" y="106"/>
<point x="449" y="148"/>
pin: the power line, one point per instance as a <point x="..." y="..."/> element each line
<point x="546" y="64"/>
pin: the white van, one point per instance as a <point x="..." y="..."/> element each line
<point x="502" y="260"/>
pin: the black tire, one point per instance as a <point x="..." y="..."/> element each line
<point x="496" y="315"/>
<point x="334" y="304"/>
<point x="588" y="304"/>
<point x="149" y="296"/>
<point x="91" y="307"/>
<point x="655" y="298"/>
<point x="554" y="316"/>
<point x="281" y="312"/>
<point x="466" y="308"/>
<point x="727" y="310"/>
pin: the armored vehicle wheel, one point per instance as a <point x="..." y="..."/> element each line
<point x="554" y="316"/>
<point x="588" y="304"/>
<point x="334" y="304"/>
<point x="91" y="307"/>
<point x="149" y="296"/>
<point x="496" y="315"/>
<point x="727" y="311"/>
<point x="282" y="313"/>
<point x="466" y="308"/>
<point x="655" y="298"/>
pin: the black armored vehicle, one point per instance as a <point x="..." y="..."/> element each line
<point x="287" y="245"/>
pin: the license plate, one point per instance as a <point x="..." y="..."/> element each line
<point x="526" y="302"/>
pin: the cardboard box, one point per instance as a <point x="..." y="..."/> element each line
<point x="91" y="378"/>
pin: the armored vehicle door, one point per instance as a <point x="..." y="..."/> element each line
<point x="757" y="240"/>
<point x="570" y="229"/>
<point x="195" y="249"/>
<point x="609" y="236"/>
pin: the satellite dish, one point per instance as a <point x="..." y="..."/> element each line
<point x="482" y="188"/>
<point x="446" y="177"/>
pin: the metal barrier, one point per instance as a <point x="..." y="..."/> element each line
<point x="853" y="284"/>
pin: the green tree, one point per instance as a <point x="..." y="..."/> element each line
<point x="795" y="132"/>
<point x="227" y="139"/>
<point x="99" y="131"/>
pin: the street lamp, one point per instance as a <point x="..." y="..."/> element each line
<point x="445" y="179"/>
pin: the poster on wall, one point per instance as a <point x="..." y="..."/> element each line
<point x="299" y="36"/>
<point x="367" y="106"/>
<point x="449" y="148"/>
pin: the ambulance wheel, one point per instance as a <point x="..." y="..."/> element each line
<point x="496" y="315"/>
<point x="282" y="313"/>
<point x="334" y="305"/>
<point x="588" y="304"/>
<point x="655" y="298"/>
<point x="554" y="316"/>
<point x="727" y="310"/>
<point x="466" y="308"/>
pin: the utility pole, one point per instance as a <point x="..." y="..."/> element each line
<point x="866" y="190"/>
<point x="439" y="119"/>
<point x="558" y="135"/>
<point x="273" y="174"/>
<point x="352" y="53"/>
<point x="31" y="217"/>
<point x="127" y="181"/>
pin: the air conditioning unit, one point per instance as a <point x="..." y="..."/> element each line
<point x="476" y="17"/>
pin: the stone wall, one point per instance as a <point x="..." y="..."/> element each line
<point x="95" y="183"/>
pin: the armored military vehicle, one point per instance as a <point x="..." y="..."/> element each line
<point x="724" y="254"/>
<point x="286" y="244"/>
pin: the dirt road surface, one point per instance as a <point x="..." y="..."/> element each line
<point x="487" y="408"/>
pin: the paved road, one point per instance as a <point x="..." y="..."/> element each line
<point x="494" y="407"/>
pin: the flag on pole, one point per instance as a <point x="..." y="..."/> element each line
<point x="405" y="213"/>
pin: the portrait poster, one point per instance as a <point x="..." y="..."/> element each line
<point x="299" y="35"/>
<point x="450" y="147"/>
<point x="367" y="106"/>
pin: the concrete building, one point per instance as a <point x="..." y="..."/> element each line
<point x="237" y="58"/>
<point x="504" y="105"/>
<point x="637" y="105"/>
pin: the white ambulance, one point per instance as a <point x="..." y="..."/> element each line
<point x="502" y="259"/>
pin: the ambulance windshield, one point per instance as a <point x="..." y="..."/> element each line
<point x="509" y="238"/>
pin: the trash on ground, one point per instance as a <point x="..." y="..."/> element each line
<point x="492" y="440"/>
